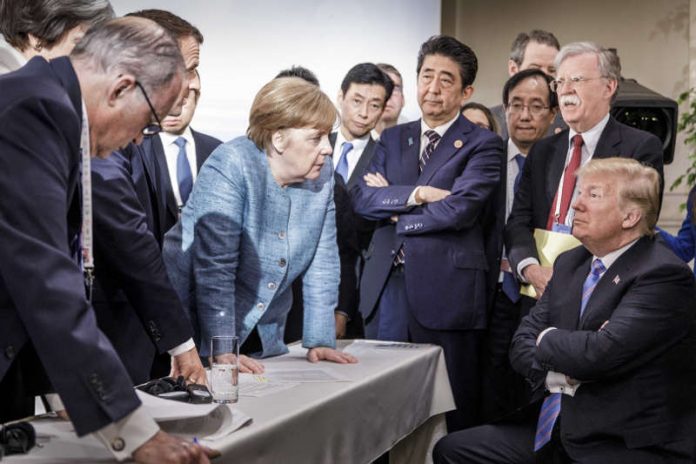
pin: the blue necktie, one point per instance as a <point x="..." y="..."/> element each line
<point x="183" y="171"/>
<point x="551" y="407"/>
<point x="342" y="167"/>
<point x="510" y="286"/>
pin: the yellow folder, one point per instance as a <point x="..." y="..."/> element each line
<point x="549" y="246"/>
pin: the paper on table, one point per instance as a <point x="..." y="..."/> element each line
<point x="302" y="375"/>
<point x="364" y="347"/>
<point x="259" y="386"/>
<point x="549" y="245"/>
<point x="209" y="421"/>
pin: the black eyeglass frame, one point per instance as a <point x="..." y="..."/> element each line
<point x="152" y="128"/>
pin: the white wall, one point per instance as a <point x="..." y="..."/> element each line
<point x="248" y="42"/>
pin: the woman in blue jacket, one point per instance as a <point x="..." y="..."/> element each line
<point x="262" y="214"/>
<point x="684" y="243"/>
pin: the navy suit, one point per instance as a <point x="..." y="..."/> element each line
<point x="42" y="295"/>
<point x="445" y="275"/>
<point x="635" y="403"/>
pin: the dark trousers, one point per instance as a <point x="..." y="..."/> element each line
<point x="503" y="389"/>
<point x="393" y="320"/>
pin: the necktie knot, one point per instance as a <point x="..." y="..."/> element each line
<point x="433" y="137"/>
<point x="577" y="141"/>
<point x="598" y="267"/>
<point x="180" y="142"/>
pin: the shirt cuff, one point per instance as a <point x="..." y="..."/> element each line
<point x="524" y="263"/>
<point x="123" y="437"/>
<point x="183" y="348"/>
<point x="556" y="382"/>
<point x="54" y="402"/>
<point x="412" y="198"/>
<point x="541" y="335"/>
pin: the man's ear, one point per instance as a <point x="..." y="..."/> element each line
<point x="467" y="92"/>
<point x="512" y="68"/>
<point x="118" y="88"/>
<point x="631" y="218"/>
<point x="339" y="97"/>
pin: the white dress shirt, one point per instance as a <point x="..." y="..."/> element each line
<point x="171" y="154"/>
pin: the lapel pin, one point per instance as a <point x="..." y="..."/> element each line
<point x="616" y="280"/>
<point x="458" y="144"/>
<point x="410" y="141"/>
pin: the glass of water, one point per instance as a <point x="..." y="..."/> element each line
<point x="224" y="369"/>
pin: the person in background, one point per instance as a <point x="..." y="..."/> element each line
<point x="684" y="243"/>
<point x="301" y="72"/>
<point x="120" y="78"/>
<point x="534" y="50"/>
<point x="480" y="115"/>
<point x="48" y="28"/>
<point x="395" y="103"/>
<point x="261" y="215"/>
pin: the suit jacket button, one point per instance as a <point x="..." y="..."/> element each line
<point x="271" y="285"/>
<point x="260" y="306"/>
<point x="118" y="444"/>
<point x="281" y="234"/>
<point x="282" y="262"/>
<point x="10" y="352"/>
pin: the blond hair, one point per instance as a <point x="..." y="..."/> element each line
<point x="636" y="185"/>
<point x="288" y="102"/>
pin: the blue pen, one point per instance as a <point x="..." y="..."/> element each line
<point x="195" y="440"/>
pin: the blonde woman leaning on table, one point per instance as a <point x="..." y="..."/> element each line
<point x="261" y="214"/>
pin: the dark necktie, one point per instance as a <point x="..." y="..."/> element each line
<point x="342" y="167"/>
<point x="183" y="171"/>
<point x="510" y="286"/>
<point x="568" y="184"/>
<point x="433" y="138"/>
<point x="551" y="407"/>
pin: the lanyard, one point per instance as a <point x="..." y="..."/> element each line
<point x="86" y="238"/>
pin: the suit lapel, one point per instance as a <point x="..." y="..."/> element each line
<point x="555" y="171"/>
<point x="452" y="141"/>
<point x="569" y="300"/>
<point x="200" y="151"/>
<point x="362" y="164"/>
<point x="410" y="149"/>
<point x="164" y="184"/>
<point x="607" y="142"/>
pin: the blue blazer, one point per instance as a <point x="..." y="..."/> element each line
<point x="241" y="242"/>
<point x="42" y="293"/>
<point x="446" y="253"/>
<point x="684" y="243"/>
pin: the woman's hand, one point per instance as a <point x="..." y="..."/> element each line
<point x="247" y="365"/>
<point x="329" y="354"/>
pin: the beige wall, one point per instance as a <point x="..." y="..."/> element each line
<point x="651" y="37"/>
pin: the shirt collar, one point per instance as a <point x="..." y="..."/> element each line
<point x="16" y="54"/>
<point x="512" y="150"/>
<point x="358" y="143"/>
<point x="168" y="139"/>
<point x="441" y="129"/>
<point x="590" y="137"/>
<point x="611" y="257"/>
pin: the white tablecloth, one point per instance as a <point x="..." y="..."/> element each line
<point x="395" y="396"/>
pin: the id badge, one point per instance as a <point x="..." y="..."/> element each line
<point x="560" y="228"/>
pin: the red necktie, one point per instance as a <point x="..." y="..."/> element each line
<point x="568" y="184"/>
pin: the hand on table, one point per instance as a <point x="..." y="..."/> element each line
<point x="247" y="365"/>
<point x="188" y="365"/>
<point x="329" y="354"/>
<point x="164" y="448"/>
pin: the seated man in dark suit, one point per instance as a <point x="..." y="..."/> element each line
<point x="613" y="339"/>
<point x="135" y="304"/>
<point x="54" y="116"/>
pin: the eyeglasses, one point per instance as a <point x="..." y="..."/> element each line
<point x="534" y="109"/>
<point x="153" y="128"/>
<point x="572" y="82"/>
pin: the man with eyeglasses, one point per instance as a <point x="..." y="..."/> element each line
<point x="587" y="80"/>
<point x="530" y="108"/>
<point x="56" y="116"/>
<point x="135" y="304"/>
<point x="395" y="103"/>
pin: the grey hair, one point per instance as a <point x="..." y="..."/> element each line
<point x="48" y="20"/>
<point x="134" y="46"/>
<point x="609" y="63"/>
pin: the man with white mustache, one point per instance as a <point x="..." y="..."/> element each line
<point x="586" y="83"/>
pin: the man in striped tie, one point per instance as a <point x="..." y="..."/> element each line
<point x="609" y="348"/>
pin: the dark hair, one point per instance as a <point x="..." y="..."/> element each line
<point x="519" y="46"/>
<point x="178" y="27"/>
<point x="492" y="123"/>
<point x="368" y="73"/>
<point x="301" y="72"/>
<point x="517" y="79"/>
<point x="452" y="48"/>
<point x="48" y="20"/>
